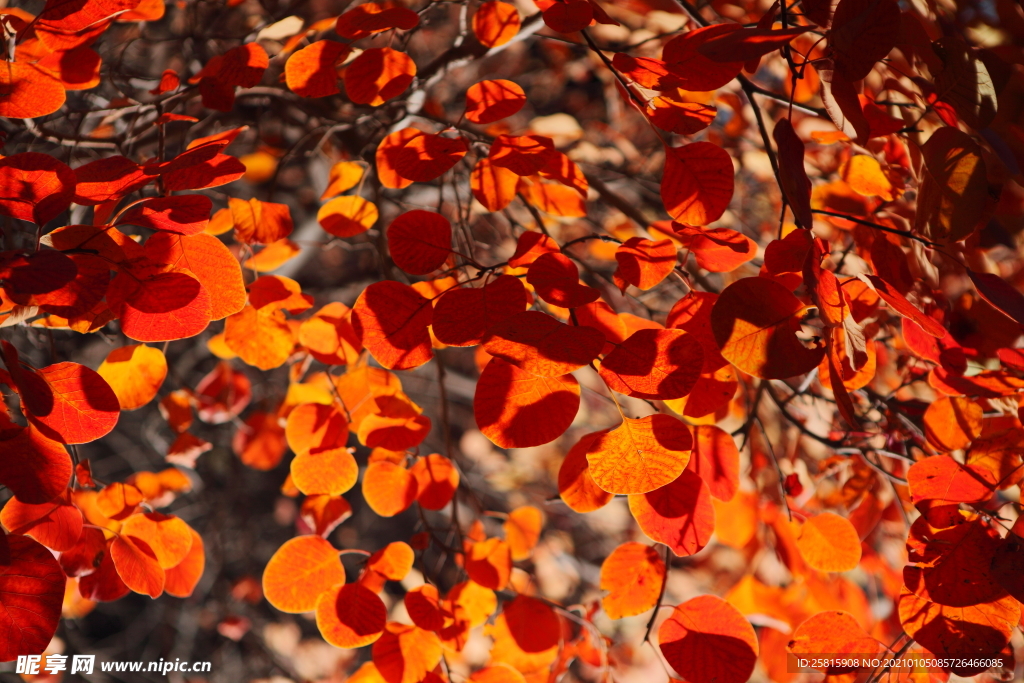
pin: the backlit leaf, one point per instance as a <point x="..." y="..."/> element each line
<point x="490" y="101"/>
<point x="556" y="280"/>
<point x="135" y="374"/>
<point x="299" y="572"/>
<point x="707" y="640"/>
<point x="495" y="23"/>
<point x="716" y="460"/>
<point x="829" y="543"/>
<point x="31" y="592"/>
<point x="697" y="185"/>
<point x="419" y="241"/>
<point x="679" y="514"/>
<point x="522" y="530"/>
<point x="632" y="574"/>
<point x="640" y="455"/>
<point x="517" y="409"/>
<point x="541" y="345"/>
<point x="378" y="75"/>
<point x="405" y="654"/>
<point x="391" y="320"/>
<point x="350" y="615"/>
<point x="312" y="71"/>
<point x="347" y="216"/>
<point x="644" y="263"/>
<point x="489" y="563"/>
<point x="755" y="321"/>
<point x="655" y="364"/>
<point x="437" y="480"/>
<point x="388" y="488"/>
<point x="575" y="485"/>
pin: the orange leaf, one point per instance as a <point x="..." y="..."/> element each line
<point x="679" y="514"/>
<point x="324" y="513"/>
<point x="493" y="186"/>
<point x="378" y="75"/>
<point x="644" y="263"/>
<point x="208" y="260"/>
<point x="490" y="101"/>
<point x="387" y="157"/>
<point x="261" y="338"/>
<point x="347" y="216"/>
<point x="684" y="118"/>
<point x="329" y="336"/>
<point x="135" y="374"/>
<point x="388" y="488"/>
<point x="313" y="427"/>
<point x="632" y="574"/>
<point x="259" y="222"/>
<point x="698" y="182"/>
<point x="312" y="71"/>
<point x="952" y="423"/>
<point x="865" y="175"/>
<point x="755" y="322"/>
<point x="971" y="631"/>
<point x="517" y="409"/>
<point x="56" y="524"/>
<point x="716" y="460"/>
<point x="300" y="570"/>
<point x="829" y="543"/>
<point x="350" y="615"/>
<point x="654" y="364"/>
<point x="497" y="673"/>
<point x="137" y="566"/>
<point x="30" y="92"/>
<point x="169" y="537"/>
<point x="330" y="472"/>
<point x="707" y="640"/>
<point x="164" y="307"/>
<point x="391" y="320"/>
<point x="832" y="632"/>
<point x="941" y="478"/>
<point x="522" y="531"/>
<point x="343" y="177"/>
<point x="261" y="444"/>
<point x="437" y="480"/>
<point x="406" y="654"/>
<point x="489" y="563"/>
<point x="393" y="561"/>
<point x="575" y="485"/>
<point x="182" y="578"/>
<point x="719" y="250"/>
<point x="118" y="501"/>
<point x="33" y="186"/>
<point x="419" y="241"/>
<point x="640" y="455"/>
<point x="495" y="23"/>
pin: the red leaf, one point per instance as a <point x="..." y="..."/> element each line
<point x="654" y="364"/>
<point x="392" y="320"/>
<point x="539" y="344"/>
<point x="1000" y="294"/>
<point x="371" y="17"/>
<point x="312" y="71"/>
<point x="35" y="468"/>
<point x="426" y="157"/>
<point x="795" y="183"/>
<point x="182" y="215"/>
<point x="35" y="187"/>
<point x="900" y="304"/>
<point x="378" y="75"/>
<point x="644" y="263"/>
<point x="31" y="593"/>
<point x="524" y="155"/>
<point x="679" y="514"/>
<point x="568" y="16"/>
<point x="490" y="101"/>
<point x="748" y="43"/>
<point x="698" y="182"/>
<point x="719" y="250"/>
<point x="463" y="315"/>
<point x="165" y="307"/>
<point x="556" y="280"/>
<point x="419" y="241"/>
<point x="695" y="71"/>
<point x="517" y="409"/>
<point x="107" y="180"/>
<point x="707" y="640"/>
<point x="56" y="524"/>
